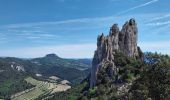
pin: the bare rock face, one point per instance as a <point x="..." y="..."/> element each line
<point x="128" y="39"/>
<point x="124" y="41"/>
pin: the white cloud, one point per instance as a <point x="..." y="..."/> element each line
<point x="160" y="17"/>
<point x="81" y="20"/>
<point x="33" y="37"/>
<point x="158" y="46"/>
<point x="40" y="24"/>
<point x="36" y="34"/>
<point x="139" y="6"/>
<point x="65" y="51"/>
<point x="158" y="23"/>
<point x="82" y="23"/>
<point x="80" y="50"/>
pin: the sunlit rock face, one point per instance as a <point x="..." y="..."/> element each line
<point x="128" y="39"/>
<point x="124" y="41"/>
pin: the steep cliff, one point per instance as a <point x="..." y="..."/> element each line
<point x="123" y="41"/>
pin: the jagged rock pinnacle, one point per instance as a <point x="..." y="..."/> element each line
<point x="124" y="41"/>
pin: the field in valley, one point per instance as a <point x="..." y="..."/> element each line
<point x="41" y="88"/>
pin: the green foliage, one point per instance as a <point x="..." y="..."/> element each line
<point x="83" y="98"/>
<point x="10" y="87"/>
<point x="92" y="91"/>
<point x="72" y="97"/>
<point x="121" y="59"/>
<point x="155" y="80"/>
<point x="11" y="81"/>
<point x="129" y="68"/>
<point x="129" y="77"/>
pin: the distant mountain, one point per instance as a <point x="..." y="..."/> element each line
<point x="13" y="71"/>
<point x="52" y="59"/>
<point x="70" y="69"/>
<point x="49" y="65"/>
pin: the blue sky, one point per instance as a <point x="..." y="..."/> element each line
<point x="69" y="28"/>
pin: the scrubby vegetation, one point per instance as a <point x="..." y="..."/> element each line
<point x="11" y="81"/>
<point x="154" y="82"/>
<point x="115" y="87"/>
<point x="145" y="80"/>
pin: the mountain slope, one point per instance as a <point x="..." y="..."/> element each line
<point x="48" y="66"/>
<point x="13" y="71"/>
<point x="53" y="65"/>
<point x="11" y="79"/>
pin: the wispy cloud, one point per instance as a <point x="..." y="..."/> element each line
<point x="65" y="51"/>
<point x="40" y="24"/>
<point x="3" y="38"/>
<point x="159" y="20"/>
<point x="158" y="46"/>
<point x="41" y="36"/>
<point x="83" y="30"/>
<point x="158" y="23"/>
<point x="159" y="17"/>
<point x="139" y="6"/>
<point x="33" y="37"/>
<point x="30" y="34"/>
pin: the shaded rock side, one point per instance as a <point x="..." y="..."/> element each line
<point x="124" y="41"/>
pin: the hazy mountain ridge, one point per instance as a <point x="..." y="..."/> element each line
<point x="48" y="65"/>
<point x="13" y="71"/>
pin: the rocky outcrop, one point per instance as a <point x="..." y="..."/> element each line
<point x="17" y="67"/>
<point x="124" y="41"/>
<point x="128" y="39"/>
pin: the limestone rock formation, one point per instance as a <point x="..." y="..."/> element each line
<point x="124" y="41"/>
<point x="128" y="39"/>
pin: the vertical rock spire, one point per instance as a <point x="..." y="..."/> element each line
<point x="124" y="41"/>
<point x="128" y="39"/>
